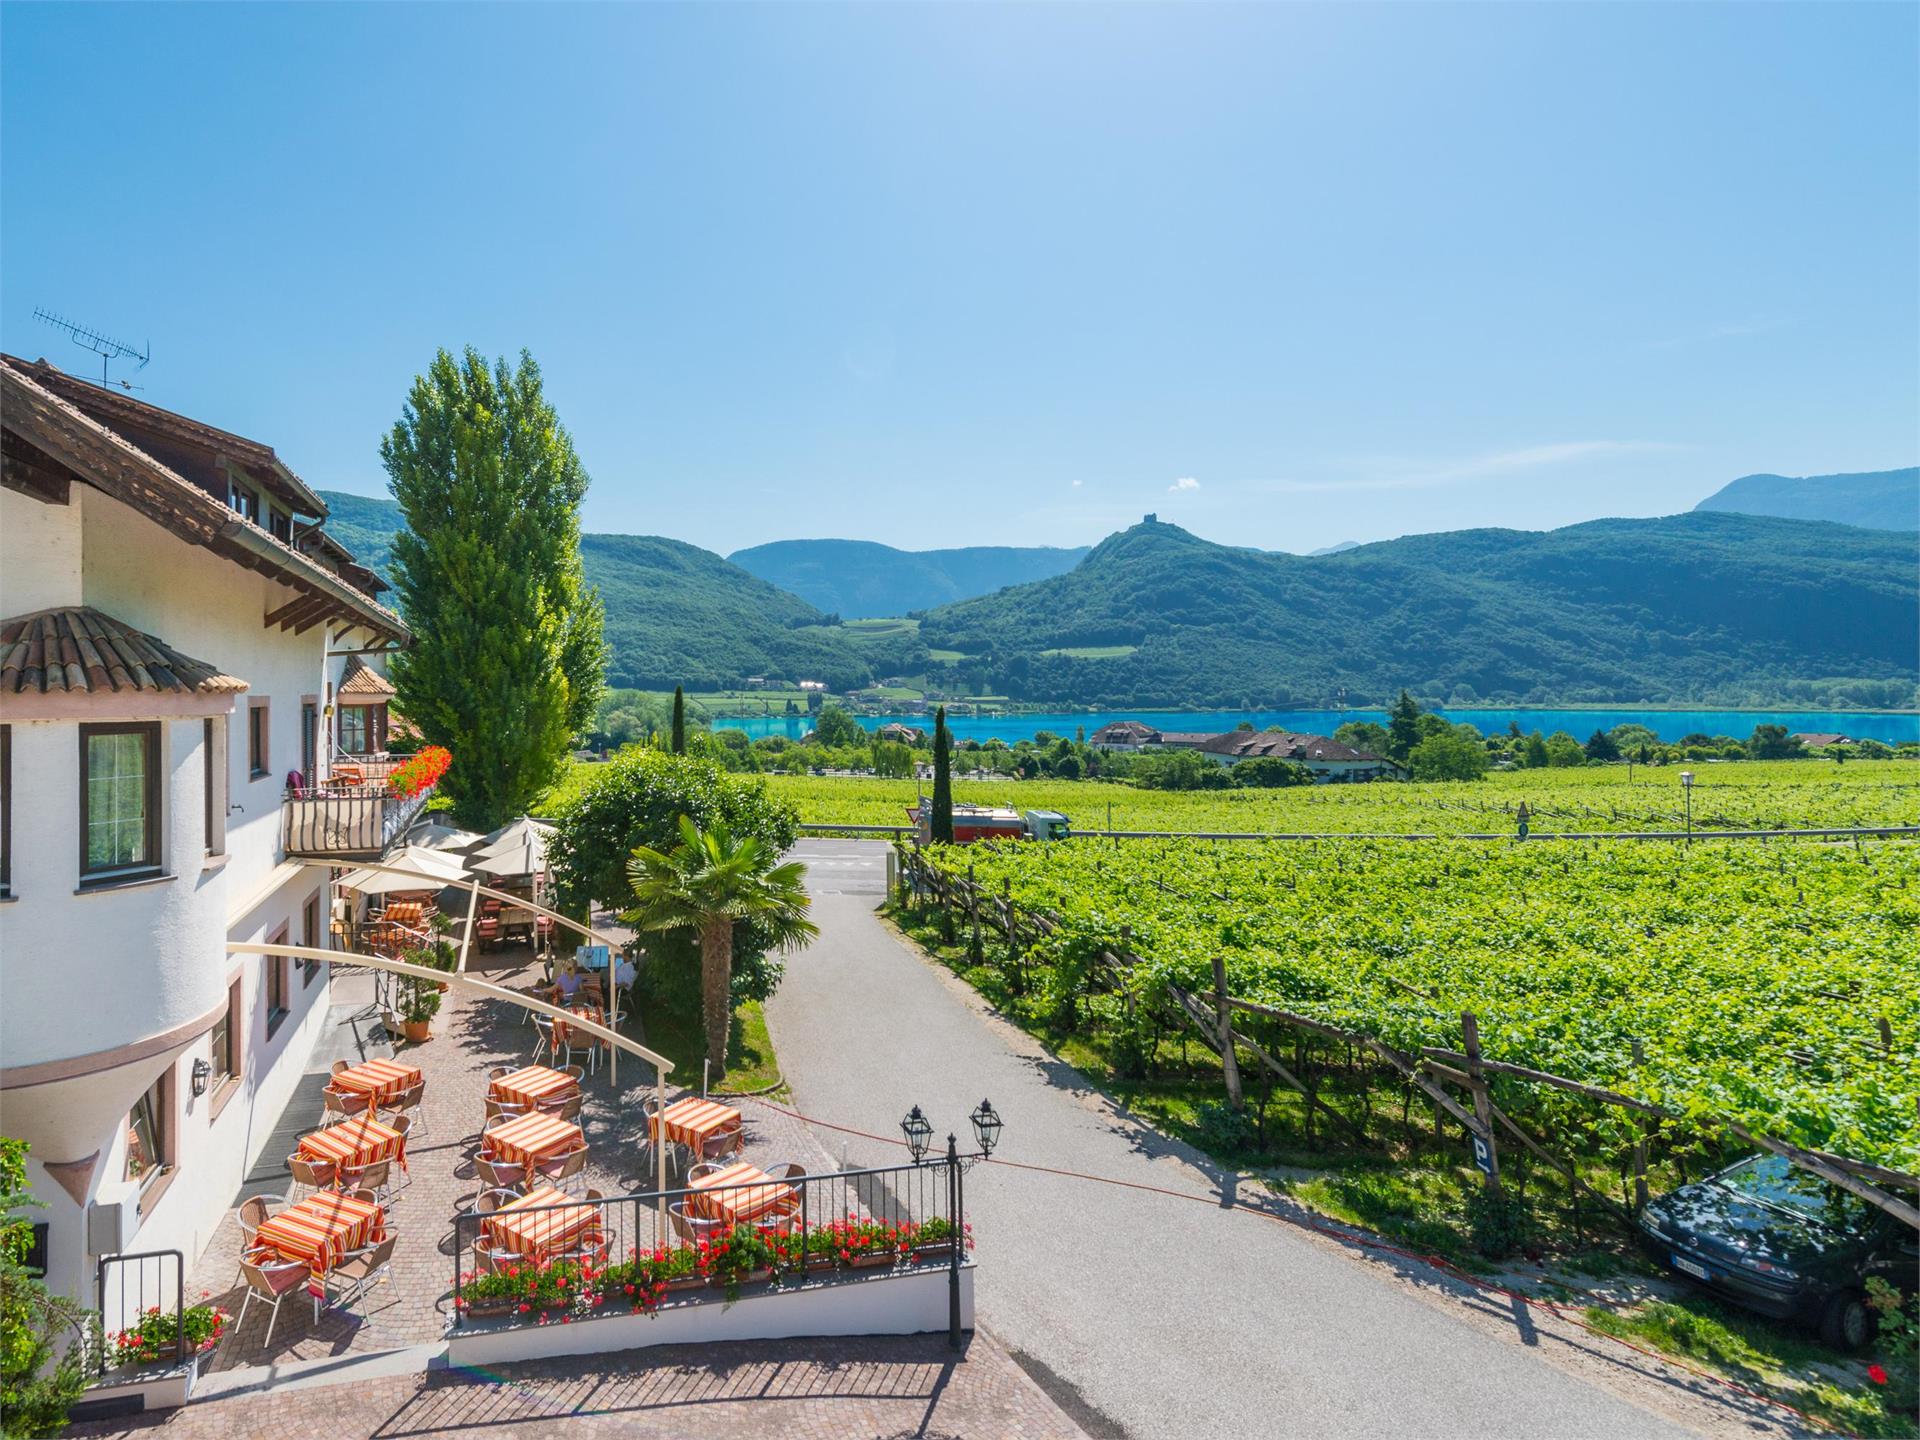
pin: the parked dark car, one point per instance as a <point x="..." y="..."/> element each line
<point x="1776" y="1239"/>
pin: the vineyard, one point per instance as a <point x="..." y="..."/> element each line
<point x="1760" y="795"/>
<point x="1774" y="986"/>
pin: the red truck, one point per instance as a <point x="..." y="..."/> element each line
<point x="992" y="822"/>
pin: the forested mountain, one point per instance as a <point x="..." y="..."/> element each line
<point x="1877" y="499"/>
<point x="859" y="579"/>
<point x="676" y="614"/>
<point x="1701" y="607"/>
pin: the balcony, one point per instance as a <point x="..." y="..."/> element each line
<point x="348" y="820"/>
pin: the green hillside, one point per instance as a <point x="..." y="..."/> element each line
<point x="677" y="614"/>
<point x="365" y="525"/>
<point x="859" y="579"/>
<point x="1707" y="608"/>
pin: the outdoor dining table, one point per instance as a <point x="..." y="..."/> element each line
<point x="319" y="1230"/>
<point x="531" y="1085"/>
<point x="354" y="1144"/>
<point x="381" y="1081"/>
<point x="758" y="1195"/>
<point x="693" y="1122"/>
<point x="532" y="1140"/>
<point x="528" y="1228"/>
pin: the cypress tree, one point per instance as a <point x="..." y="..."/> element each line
<point x="509" y="660"/>
<point x="1403" y="727"/>
<point x="942" y="779"/>
<point x="679" y="721"/>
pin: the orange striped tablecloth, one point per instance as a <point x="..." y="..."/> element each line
<point x="527" y="1228"/>
<point x="759" y="1194"/>
<point x="531" y="1085"/>
<point x="691" y="1121"/>
<point x="562" y="1033"/>
<point x="354" y="1144"/>
<point x="381" y="1081"/>
<point x="319" y="1230"/>
<point x="531" y="1140"/>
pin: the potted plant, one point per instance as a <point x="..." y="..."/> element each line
<point x="417" y="1010"/>
<point x="152" y="1339"/>
<point x="933" y="1239"/>
<point x="742" y="1256"/>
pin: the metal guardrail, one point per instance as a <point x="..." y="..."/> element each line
<point x="339" y="820"/>
<point x="135" y="1293"/>
<point x="639" y="1224"/>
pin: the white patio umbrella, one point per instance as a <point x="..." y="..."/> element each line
<point x="424" y="870"/>
<point x="437" y="836"/>
<point x="518" y="849"/>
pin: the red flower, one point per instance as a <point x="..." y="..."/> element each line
<point x="1876" y="1374"/>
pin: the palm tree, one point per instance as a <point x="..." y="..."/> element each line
<point x="707" y="883"/>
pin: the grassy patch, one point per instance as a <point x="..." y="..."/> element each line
<point x="947" y="657"/>
<point x="1094" y="652"/>
<point x="1776" y="1359"/>
<point x="751" y="1062"/>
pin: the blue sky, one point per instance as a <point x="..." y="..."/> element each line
<point x="936" y="275"/>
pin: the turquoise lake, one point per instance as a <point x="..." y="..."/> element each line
<point x="1667" y="724"/>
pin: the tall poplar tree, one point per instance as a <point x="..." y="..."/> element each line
<point x="508" y="659"/>
<point x="942" y="779"/>
<point x="679" y="721"/>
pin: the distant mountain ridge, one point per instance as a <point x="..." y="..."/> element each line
<point x="1706" y="607"/>
<point x="1698" y="607"/>
<point x="676" y="614"/>
<point x="1875" y="499"/>
<point x="861" y="579"/>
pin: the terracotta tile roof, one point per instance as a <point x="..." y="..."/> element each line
<point x="1282" y="745"/>
<point x="78" y="648"/>
<point x="362" y="679"/>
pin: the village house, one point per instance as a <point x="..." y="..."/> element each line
<point x="185" y="655"/>
<point x="1821" y="739"/>
<point x="1328" y="759"/>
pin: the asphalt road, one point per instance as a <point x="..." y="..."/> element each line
<point x="1166" y="1317"/>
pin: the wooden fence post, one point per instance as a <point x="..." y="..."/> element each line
<point x="1482" y="1101"/>
<point x="1225" y="1013"/>
<point x="974" y="952"/>
<point x="1640" y="1142"/>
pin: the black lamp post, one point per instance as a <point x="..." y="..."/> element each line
<point x="1686" y="786"/>
<point x="918" y="1131"/>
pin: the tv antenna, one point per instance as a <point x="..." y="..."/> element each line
<point x="105" y="346"/>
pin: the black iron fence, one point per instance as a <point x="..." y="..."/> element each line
<point x="346" y="820"/>
<point x="610" y="1255"/>
<point x="134" y="1290"/>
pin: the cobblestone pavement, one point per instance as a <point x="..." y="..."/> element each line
<point x="470" y="1034"/>
<point x="819" y="1389"/>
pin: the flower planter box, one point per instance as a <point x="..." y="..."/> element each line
<point x="418" y="1032"/>
<point x="874" y="1261"/>
<point x="489" y="1309"/>
<point x="939" y="1250"/>
<point x="686" y="1282"/>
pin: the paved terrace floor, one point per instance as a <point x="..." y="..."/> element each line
<point x="471" y="1034"/>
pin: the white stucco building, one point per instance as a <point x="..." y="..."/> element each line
<point x="174" y="627"/>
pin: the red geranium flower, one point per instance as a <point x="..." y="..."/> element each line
<point x="1876" y="1374"/>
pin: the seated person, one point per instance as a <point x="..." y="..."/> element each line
<point x="566" y="984"/>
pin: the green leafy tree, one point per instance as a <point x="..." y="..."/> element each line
<point x="44" y="1338"/>
<point x="1269" y="772"/>
<point x="1403" y="727"/>
<point x="836" y="727"/>
<point x="1601" y="746"/>
<point x="892" y="759"/>
<point x="1366" y="735"/>
<point x="1773" y="742"/>
<point x="1563" y="750"/>
<point x="942" y="824"/>
<point x="1533" y="754"/>
<point x="707" y="884"/>
<point x="509" y="659"/>
<point x="679" y="721"/>
<point x="1451" y="756"/>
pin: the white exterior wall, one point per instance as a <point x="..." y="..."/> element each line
<point x="87" y="973"/>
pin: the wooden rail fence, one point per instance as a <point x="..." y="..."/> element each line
<point x="1210" y="1014"/>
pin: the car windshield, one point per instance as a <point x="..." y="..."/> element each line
<point x="1773" y="1181"/>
